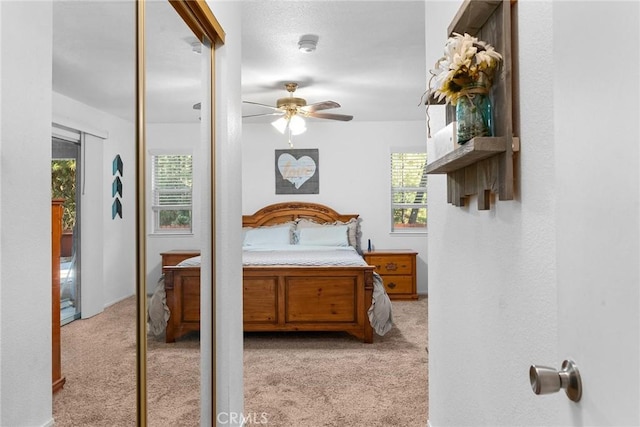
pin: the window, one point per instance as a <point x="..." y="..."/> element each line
<point x="409" y="191"/>
<point x="172" y="177"/>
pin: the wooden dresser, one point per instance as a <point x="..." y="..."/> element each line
<point x="56" y="238"/>
<point x="398" y="270"/>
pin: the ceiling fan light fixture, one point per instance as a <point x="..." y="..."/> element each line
<point x="308" y="43"/>
<point x="280" y="124"/>
<point x="297" y="125"/>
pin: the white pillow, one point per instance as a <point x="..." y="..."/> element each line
<point x="267" y="236"/>
<point x="353" y="232"/>
<point x="323" y="236"/>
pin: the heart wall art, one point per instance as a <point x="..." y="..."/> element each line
<point x="297" y="171"/>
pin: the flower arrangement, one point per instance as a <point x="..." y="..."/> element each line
<point x="466" y="60"/>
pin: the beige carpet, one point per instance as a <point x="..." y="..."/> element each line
<point x="98" y="361"/>
<point x="291" y="379"/>
<point x="331" y="379"/>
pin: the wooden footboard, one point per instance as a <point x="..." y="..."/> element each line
<point x="182" y="286"/>
<point x="298" y="298"/>
<point x="292" y="298"/>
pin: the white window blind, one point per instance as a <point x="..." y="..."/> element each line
<point x="408" y="191"/>
<point x="172" y="179"/>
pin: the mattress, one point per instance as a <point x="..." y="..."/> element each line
<point x="343" y="256"/>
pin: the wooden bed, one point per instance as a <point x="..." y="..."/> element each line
<point x="283" y="298"/>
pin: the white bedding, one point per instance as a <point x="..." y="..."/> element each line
<point x="380" y="313"/>
<point x="302" y="255"/>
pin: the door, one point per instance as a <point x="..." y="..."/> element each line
<point x="597" y="211"/>
<point x="65" y="173"/>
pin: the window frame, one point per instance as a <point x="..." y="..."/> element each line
<point x="155" y="209"/>
<point x="394" y="190"/>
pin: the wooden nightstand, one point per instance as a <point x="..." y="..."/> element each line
<point x="398" y="270"/>
<point x="175" y="256"/>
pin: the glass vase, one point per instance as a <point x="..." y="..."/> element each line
<point x="474" y="115"/>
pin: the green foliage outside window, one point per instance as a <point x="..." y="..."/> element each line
<point x="409" y="191"/>
<point x="175" y="219"/>
<point x="63" y="186"/>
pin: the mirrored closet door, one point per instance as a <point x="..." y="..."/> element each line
<point x="176" y="161"/>
<point x="140" y="71"/>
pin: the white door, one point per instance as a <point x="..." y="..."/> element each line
<point x="596" y="119"/>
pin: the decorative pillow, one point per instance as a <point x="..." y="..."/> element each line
<point x="353" y="230"/>
<point x="268" y="235"/>
<point x="323" y="236"/>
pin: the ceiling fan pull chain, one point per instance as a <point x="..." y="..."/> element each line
<point x="290" y="143"/>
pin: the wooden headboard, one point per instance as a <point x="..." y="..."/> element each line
<point x="279" y="213"/>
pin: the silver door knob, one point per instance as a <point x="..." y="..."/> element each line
<point x="545" y="380"/>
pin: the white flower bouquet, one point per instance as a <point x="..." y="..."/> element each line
<point x="466" y="61"/>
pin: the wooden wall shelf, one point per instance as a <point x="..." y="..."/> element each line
<point x="472" y="15"/>
<point x="467" y="154"/>
<point x="486" y="164"/>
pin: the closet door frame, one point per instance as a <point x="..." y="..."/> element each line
<point x="199" y="18"/>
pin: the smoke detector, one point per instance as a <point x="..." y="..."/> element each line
<point x="308" y="43"/>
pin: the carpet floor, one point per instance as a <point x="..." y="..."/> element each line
<point x="332" y="379"/>
<point x="290" y="379"/>
<point x="99" y="364"/>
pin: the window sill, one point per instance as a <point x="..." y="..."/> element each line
<point x="408" y="233"/>
<point x="172" y="234"/>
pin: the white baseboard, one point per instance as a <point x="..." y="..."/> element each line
<point x="109" y="304"/>
<point x="49" y="423"/>
<point x="429" y="423"/>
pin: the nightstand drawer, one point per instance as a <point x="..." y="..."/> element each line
<point x="397" y="264"/>
<point x="397" y="267"/>
<point x="398" y="284"/>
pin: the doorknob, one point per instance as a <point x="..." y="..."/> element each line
<point x="545" y="380"/>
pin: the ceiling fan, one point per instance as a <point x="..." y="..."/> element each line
<point x="292" y="110"/>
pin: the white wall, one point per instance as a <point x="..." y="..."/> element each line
<point x="108" y="245"/>
<point x="492" y="305"/>
<point x="354" y="167"/>
<point x="493" y="280"/>
<point x="25" y="214"/>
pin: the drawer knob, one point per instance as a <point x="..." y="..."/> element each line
<point x="392" y="266"/>
<point x="391" y="285"/>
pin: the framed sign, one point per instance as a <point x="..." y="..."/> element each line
<point x="297" y="171"/>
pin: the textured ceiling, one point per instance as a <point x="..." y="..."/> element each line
<point x="369" y="57"/>
<point x="94" y="58"/>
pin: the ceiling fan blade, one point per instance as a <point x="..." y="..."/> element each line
<point x="265" y="114"/>
<point x="262" y="105"/>
<point x="342" y="117"/>
<point x="324" y="105"/>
